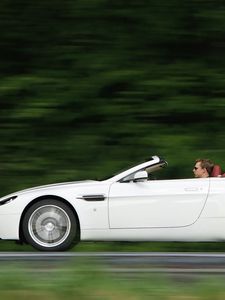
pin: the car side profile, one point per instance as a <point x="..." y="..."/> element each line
<point x="130" y="206"/>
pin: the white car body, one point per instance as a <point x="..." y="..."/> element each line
<point x="121" y="208"/>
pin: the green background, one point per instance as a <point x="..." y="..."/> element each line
<point x="92" y="86"/>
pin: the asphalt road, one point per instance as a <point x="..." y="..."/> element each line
<point x="129" y="264"/>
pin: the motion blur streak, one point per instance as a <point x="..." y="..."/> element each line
<point x="85" y="280"/>
<point x="90" y="86"/>
<point x="87" y="88"/>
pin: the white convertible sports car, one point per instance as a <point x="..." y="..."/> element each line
<point x="129" y="206"/>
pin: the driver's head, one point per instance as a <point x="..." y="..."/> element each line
<point x="203" y="168"/>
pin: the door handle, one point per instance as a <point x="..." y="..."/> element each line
<point x="191" y="189"/>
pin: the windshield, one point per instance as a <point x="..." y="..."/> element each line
<point x="124" y="169"/>
<point x="150" y="169"/>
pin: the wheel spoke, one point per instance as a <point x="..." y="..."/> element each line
<point x="49" y="225"/>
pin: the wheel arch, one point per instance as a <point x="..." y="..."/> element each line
<point x="38" y="199"/>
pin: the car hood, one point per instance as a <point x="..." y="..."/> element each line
<point x="57" y="185"/>
<point x="51" y="186"/>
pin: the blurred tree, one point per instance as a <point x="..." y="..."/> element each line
<point x="91" y="86"/>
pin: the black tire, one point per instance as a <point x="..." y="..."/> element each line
<point x="50" y="225"/>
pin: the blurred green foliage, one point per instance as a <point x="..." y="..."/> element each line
<point x="87" y="280"/>
<point x="127" y="247"/>
<point x="91" y="86"/>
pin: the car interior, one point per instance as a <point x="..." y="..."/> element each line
<point x="217" y="172"/>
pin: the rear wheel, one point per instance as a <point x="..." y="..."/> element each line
<point x="50" y="225"/>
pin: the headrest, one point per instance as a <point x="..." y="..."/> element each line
<point x="216" y="171"/>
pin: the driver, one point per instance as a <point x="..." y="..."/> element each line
<point x="203" y="168"/>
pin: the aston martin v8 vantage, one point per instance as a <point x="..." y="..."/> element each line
<point x="130" y="206"/>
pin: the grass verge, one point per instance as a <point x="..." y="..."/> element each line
<point x="82" y="280"/>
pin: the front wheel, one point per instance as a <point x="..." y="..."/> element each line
<point x="50" y="225"/>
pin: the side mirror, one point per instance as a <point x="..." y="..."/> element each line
<point x="140" y="176"/>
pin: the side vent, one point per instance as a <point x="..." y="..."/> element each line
<point x="92" y="197"/>
<point x="7" y="200"/>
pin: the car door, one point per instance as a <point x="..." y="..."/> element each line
<point x="157" y="203"/>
